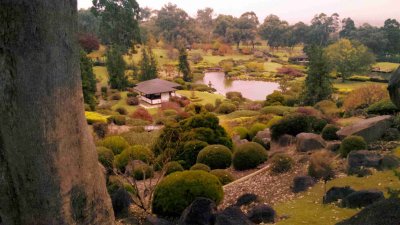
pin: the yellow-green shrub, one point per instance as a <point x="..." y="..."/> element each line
<point x="94" y="117"/>
<point x="116" y="143"/>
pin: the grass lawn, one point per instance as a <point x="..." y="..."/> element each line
<point x="308" y="209"/>
<point x="387" y="66"/>
<point x="129" y="108"/>
<point x="272" y="66"/>
<point x="204" y="97"/>
<point x="101" y="74"/>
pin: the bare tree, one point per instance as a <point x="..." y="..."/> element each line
<point x="49" y="173"/>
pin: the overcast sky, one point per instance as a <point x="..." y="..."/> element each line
<point x="371" y="11"/>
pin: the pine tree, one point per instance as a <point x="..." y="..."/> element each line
<point x="317" y="86"/>
<point x="148" y="65"/>
<point x="116" y="68"/>
<point x="88" y="81"/>
<point x="184" y="66"/>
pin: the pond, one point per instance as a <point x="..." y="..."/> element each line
<point x="250" y="89"/>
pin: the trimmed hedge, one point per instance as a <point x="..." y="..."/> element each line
<point x="248" y="156"/>
<point x="215" y="156"/>
<point x="243" y="132"/>
<point x="200" y="166"/>
<point x="352" y="143"/>
<point x="116" y="143"/>
<point x="178" y="190"/>
<point x="226" y="108"/>
<point x="223" y="176"/>
<point x="295" y="124"/>
<point x="256" y="128"/>
<point x="190" y="152"/>
<point x="106" y="157"/>
<point x="143" y="171"/>
<point x="329" y="132"/>
<point x="383" y="107"/>
<point x="172" y="167"/>
<point x="137" y="152"/>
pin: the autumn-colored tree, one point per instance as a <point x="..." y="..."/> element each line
<point x="364" y="96"/>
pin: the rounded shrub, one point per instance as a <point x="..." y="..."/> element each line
<point x="352" y="143"/>
<point x="318" y="124"/>
<point x="329" y="132"/>
<point x="142" y="171"/>
<point x="178" y="190"/>
<point x="172" y="167"/>
<point x="116" y="143"/>
<point x="209" y="107"/>
<point x="115" y="182"/>
<point x="243" y="132"/>
<point x="248" y="156"/>
<point x="132" y="101"/>
<point x="190" y="151"/>
<point x="256" y="128"/>
<point x="223" y="176"/>
<point x="101" y="129"/>
<point x="137" y="152"/>
<point x="200" y="166"/>
<point x="281" y="163"/>
<point x="259" y="140"/>
<point x="293" y="125"/>
<point x="215" y="156"/>
<point x="106" y="157"/>
<point x="383" y="107"/>
<point x="226" y="108"/>
<point x="118" y="120"/>
<point x="121" y="111"/>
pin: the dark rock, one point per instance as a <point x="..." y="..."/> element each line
<point x="246" y="199"/>
<point x="200" y="212"/>
<point x="371" y="129"/>
<point x="286" y="140"/>
<point x="333" y="146"/>
<point x="336" y="193"/>
<point x="152" y="220"/>
<point x="360" y="199"/>
<point x="389" y="162"/>
<point x="386" y="212"/>
<point x="121" y="200"/>
<point x="237" y="141"/>
<point x="262" y="214"/>
<point x="363" y="158"/>
<point x="394" y="88"/>
<point x="360" y="171"/>
<point x="302" y="183"/>
<point x="308" y="142"/>
<point x="232" y="216"/>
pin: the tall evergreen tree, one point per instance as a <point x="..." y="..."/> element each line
<point x="148" y="65"/>
<point x="317" y="85"/>
<point x="88" y="81"/>
<point x="116" y="68"/>
<point x="184" y="66"/>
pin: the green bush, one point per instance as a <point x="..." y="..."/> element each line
<point x="281" y="163"/>
<point x="277" y="110"/>
<point x="266" y="145"/>
<point x="200" y="166"/>
<point x="137" y="152"/>
<point x="317" y="124"/>
<point x="226" y="108"/>
<point x="121" y="111"/>
<point x="169" y="112"/>
<point x="256" y="128"/>
<point x="274" y="98"/>
<point x="242" y="132"/>
<point x="115" y="182"/>
<point x="352" y="143"/>
<point x="215" y="156"/>
<point x="209" y="107"/>
<point x="329" y="132"/>
<point x="106" y="157"/>
<point x="321" y="165"/>
<point x="292" y="124"/>
<point x="172" y="167"/>
<point x="178" y="190"/>
<point x="234" y="95"/>
<point x="223" y="176"/>
<point x="119" y="120"/>
<point x="190" y="151"/>
<point x="383" y="107"/>
<point x="116" y="143"/>
<point x="142" y="172"/>
<point x="274" y="121"/>
<point x="248" y="156"/>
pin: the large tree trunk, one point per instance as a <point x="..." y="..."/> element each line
<point x="49" y="173"/>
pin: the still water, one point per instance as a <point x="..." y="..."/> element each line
<point x="254" y="90"/>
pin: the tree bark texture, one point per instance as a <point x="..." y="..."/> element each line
<point x="49" y="173"/>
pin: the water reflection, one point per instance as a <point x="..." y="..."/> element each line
<point x="254" y="90"/>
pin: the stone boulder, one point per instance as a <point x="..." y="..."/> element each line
<point x="360" y="199"/>
<point x="371" y="129"/>
<point x="385" y="212"/>
<point x="232" y="216"/>
<point x="336" y="193"/>
<point x="286" y="140"/>
<point x="264" y="138"/>
<point x="390" y="162"/>
<point x="308" y="142"/>
<point x="152" y="220"/>
<point x="262" y="214"/>
<point x="394" y="88"/>
<point x="302" y="183"/>
<point x="363" y="158"/>
<point x="237" y="141"/>
<point x="200" y="212"/>
<point x="246" y="199"/>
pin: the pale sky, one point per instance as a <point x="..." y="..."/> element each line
<point x="371" y="11"/>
